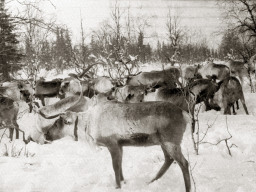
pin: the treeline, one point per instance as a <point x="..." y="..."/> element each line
<point x="45" y="44"/>
<point x="188" y="53"/>
<point x="61" y="53"/>
<point x="56" y="53"/>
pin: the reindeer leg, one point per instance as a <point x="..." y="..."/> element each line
<point x="116" y="155"/>
<point x="30" y="107"/>
<point x="192" y="111"/>
<point x="207" y="104"/>
<point x="167" y="163"/>
<point x="244" y="105"/>
<point x="241" y="79"/>
<point x="120" y="161"/>
<point x="11" y="130"/>
<point x="233" y="107"/>
<point x="23" y="135"/>
<point x="175" y="152"/>
<point x="42" y="100"/>
<point x="237" y="105"/>
<point x="227" y="107"/>
<point x="16" y="129"/>
<point x="227" y="110"/>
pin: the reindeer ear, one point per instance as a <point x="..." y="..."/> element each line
<point x="20" y="85"/>
<point x="66" y="83"/>
<point x="68" y="117"/>
<point x="62" y="117"/>
<point x="68" y="121"/>
<point x="129" y="97"/>
<point x="113" y="88"/>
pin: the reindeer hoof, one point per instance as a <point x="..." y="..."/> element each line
<point x="118" y="186"/>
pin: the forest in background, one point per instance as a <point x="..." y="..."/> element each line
<point x="31" y="41"/>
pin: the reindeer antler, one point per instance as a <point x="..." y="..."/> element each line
<point x="87" y="69"/>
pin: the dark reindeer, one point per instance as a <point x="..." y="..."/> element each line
<point x="229" y="91"/>
<point x="168" y="77"/>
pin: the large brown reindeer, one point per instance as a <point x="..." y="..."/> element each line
<point x="114" y="125"/>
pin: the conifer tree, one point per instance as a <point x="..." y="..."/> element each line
<point x="9" y="55"/>
<point x="141" y="47"/>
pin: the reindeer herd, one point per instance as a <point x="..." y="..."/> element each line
<point x="151" y="108"/>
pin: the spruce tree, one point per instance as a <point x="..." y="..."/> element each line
<point x="141" y="47"/>
<point x="62" y="49"/>
<point x="9" y="55"/>
<point x="46" y="55"/>
<point x="68" y="48"/>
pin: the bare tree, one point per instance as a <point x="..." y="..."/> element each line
<point x="34" y="37"/>
<point x="241" y="15"/>
<point x="111" y="45"/>
<point x="175" y="31"/>
<point x="176" y="35"/>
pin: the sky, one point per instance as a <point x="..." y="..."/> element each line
<point x="196" y="15"/>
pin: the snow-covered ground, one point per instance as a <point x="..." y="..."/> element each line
<point x="68" y="166"/>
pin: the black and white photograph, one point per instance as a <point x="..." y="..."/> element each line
<point x="127" y="95"/>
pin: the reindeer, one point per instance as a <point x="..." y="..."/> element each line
<point x="45" y="115"/>
<point x="127" y="93"/>
<point x="114" y="125"/>
<point x="13" y="90"/>
<point x="229" y="91"/>
<point x="16" y="91"/>
<point x="240" y="68"/>
<point x="89" y="87"/>
<point x="168" y="77"/>
<point x="201" y="90"/>
<point x="9" y="109"/>
<point x="45" y="89"/>
<point x="211" y="70"/>
<point x="190" y="73"/>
